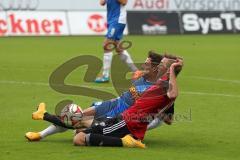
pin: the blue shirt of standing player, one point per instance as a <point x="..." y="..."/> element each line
<point x="116" y="12"/>
<point x="116" y="19"/>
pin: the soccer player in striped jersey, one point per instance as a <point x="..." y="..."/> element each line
<point x="128" y="129"/>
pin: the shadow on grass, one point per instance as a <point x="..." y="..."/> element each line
<point x="174" y="143"/>
<point x="56" y="140"/>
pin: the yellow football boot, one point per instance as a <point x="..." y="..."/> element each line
<point x="38" y="115"/>
<point x="33" y="136"/>
<point x="129" y="141"/>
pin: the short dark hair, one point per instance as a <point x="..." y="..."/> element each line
<point x="170" y="56"/>
<point x="156" y="58"/>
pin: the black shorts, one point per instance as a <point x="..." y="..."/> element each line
<point x="115" y="127"/>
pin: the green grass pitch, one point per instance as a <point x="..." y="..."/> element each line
<point x="207" y="121"/>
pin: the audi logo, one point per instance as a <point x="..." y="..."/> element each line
<point x="6" y="5"/>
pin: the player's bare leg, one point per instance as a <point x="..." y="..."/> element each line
<point x="89" y="112"/>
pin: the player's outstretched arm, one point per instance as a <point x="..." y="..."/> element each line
<point x="123" y="2"/>
<point x="172" y="92"/>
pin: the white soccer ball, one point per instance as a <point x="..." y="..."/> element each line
<point x="71" y="115"/>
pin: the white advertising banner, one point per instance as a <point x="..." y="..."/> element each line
<point x="65" y="5"/>
<point x="30" y="23"/>
<point x="93" y="5"/>
<point x="3" y="24"/>
<point x="85" y="23"/>
<point x="88" y="23"/>
<point x="41" y="23"/>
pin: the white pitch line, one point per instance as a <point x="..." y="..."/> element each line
<point x="24" y="83"/>
<point x="23" y="69"/>
<point x="209" y="94"/>
<point x="105" y="87"/>
<point x="47" y="84"/>
<point x="214" y="79"/>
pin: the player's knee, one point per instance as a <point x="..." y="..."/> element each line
<point x="109" y="45"/>
<point x="79" y="139"/>
<point x="105" y="45"/>
<point x="119" y="50"/>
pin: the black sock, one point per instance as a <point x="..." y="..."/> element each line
<point x="55" y="120"/>
<point x="101" y="140"/>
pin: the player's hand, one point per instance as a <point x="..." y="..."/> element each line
<point x="102" y="2"/>
<point x="137" y="74"/>
<point x="178" y="63"/>
<point x="123" y="2"/>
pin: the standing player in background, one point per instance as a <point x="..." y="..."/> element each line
<point x="116" y="22"/>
